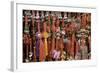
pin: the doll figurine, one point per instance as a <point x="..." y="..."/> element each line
<point x="37" y="40"/>
<point x="53" y="29"/>
<point x="26" y="38"/>
<point x="45" y="35"/>
<point x="57" y="34"/>
<point x="83" y="48"/>
<point x="49" y="41"/>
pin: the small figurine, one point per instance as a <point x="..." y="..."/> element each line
<point x="45" y="35"/>
<point x="26" y="38"/>
<point x="38" y="41"/>
<point x="83" y="48"/>
<point x="57" y="34"/>
<point x="49" y="41"/>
